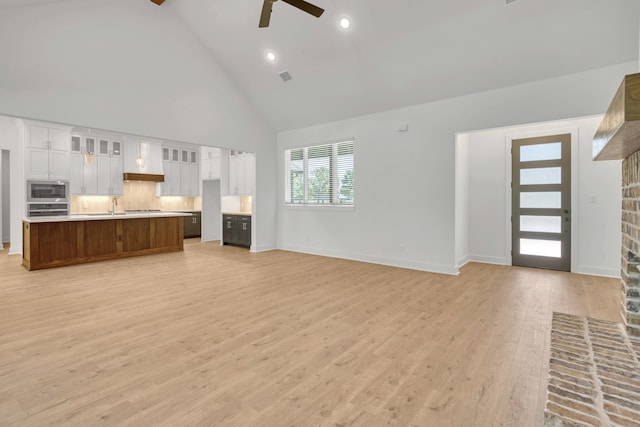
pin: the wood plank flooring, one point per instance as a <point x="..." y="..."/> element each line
<point x="218" y="336"/>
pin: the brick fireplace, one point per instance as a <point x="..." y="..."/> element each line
<point x="630" y="273"/>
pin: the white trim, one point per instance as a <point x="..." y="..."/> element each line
<point x="263" y="248"/>
<point x="598" y="271"/>
<point x="489" y="259"/>
<point x="461" y="262"/>
<point x="392" y="262"/>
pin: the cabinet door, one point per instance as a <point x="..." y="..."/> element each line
<point x="37" y="137"/>
<point x="174" y="184"/>
<point x="249" y="175"/>
<point x="90" y="145"/>
<point x="103" y="147"/>
<point x="229" y="229"/>
<point x="185" y="180"/>
<point x="104" y="175"/>
<point x="90" y="177"/>
<point x="116" y="170"/>
<point x="76" y="144"/>
<point x="234" y="175"/>
<point x="214" y="165"/>
<point x="244" y="230"/>
<point x="37" y="163"/>
<point x="194" y="180"/>
<point x="59" y="139"/>
<point x="59" y="164"/>
<point x="116" y="149"/>
<point x="76" y="183"/>
<point x="166" y="156"/>
<point x="197" y="224"/>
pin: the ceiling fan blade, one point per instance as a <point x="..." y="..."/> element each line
<point x="265" y="16"/>
<point x="306" y="6"/>
<point x="158" y="2"/>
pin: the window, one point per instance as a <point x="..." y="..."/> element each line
<point x="320" y="175"/>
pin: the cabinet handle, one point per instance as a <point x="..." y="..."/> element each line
<point x="228" y="224"/>
<point x="244" y="225"/>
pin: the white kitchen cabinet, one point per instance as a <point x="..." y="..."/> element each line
<point x="109" y="167"/>
<point x="47" y="154"/>
<point x="47" y="138"/>
<point x="210" y="163"/>
<point x="181" y="171"/>
<point x="83" y="170"/>
<point x="241" y="173"/>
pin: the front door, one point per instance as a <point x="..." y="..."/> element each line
<point x="541" y="202"/>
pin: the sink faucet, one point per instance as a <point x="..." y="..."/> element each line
<point x="114" y="203"/>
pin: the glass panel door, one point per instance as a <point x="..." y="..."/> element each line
<point x="541" y="198"/>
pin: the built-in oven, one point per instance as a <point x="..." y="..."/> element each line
<point x="47" y="198"/>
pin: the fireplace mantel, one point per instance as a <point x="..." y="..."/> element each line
<point x="618" y="135"/>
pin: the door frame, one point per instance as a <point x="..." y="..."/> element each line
<point x="575" y="214"/>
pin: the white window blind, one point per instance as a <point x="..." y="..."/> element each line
<point x="321" y="174"/>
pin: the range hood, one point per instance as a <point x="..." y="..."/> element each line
<point x="618" y="135"/>
<point x="151" y="177"/>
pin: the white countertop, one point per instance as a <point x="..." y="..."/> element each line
<point x="236" y="213"/>
<point x="101" y="216"/>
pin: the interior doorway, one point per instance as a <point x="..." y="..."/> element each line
<point x="211" y="210"/>
<point x="541" y="202"/>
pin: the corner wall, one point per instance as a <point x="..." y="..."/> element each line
<point x="405" y="213"/>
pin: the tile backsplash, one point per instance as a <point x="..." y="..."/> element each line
<point x="135" y="195"/>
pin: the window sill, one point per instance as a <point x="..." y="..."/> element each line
<point x="325" y="208"/>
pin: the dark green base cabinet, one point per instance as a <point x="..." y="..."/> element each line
<point x="236" y="230"/>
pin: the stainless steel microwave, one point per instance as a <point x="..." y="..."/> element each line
<point x="47" y="191"/>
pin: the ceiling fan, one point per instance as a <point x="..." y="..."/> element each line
<point x="265" y="16"/>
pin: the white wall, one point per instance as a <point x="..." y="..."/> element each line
<point x="462" y="199"/>
<point x="595" y="197"/>
<point x="5" y="178"/>
<point x="9" y="141"/>
<point x="405" y="182"/>
<point x="130" y="67"/>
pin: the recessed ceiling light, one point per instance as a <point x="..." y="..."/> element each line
<point x="345" y="23"/>
<point x="271" y="57"/>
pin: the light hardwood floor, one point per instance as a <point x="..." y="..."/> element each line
<point x="222" y="337"/>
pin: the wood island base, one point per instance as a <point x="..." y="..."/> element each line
<point x="60" y="243"/>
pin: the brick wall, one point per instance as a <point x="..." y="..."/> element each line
<point x="631" y="243"/>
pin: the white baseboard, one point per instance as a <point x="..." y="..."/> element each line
<point x="392" y="262"/>
<point x="488" y="259"/>
<point x="263" y="248"/>
<point x="462" y="261"/>
<point x="599" y="271"/>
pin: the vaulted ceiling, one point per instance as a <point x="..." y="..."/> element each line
<point x="401" y="52"/>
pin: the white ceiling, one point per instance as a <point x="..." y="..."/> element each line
<point x="401" y="52"/>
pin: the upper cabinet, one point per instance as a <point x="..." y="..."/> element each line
<point x="181" y="165"/>
<point x="96" y="165"/>
<point x="47" y="151"/>
<point x="242" y="173"/>
<point x="209" y="163"/>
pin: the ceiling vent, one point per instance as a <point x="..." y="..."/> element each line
<point x="285" y="76"/>
<point x="511" y="1"/>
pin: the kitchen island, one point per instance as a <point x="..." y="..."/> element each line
<point x="75" y="239"/>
